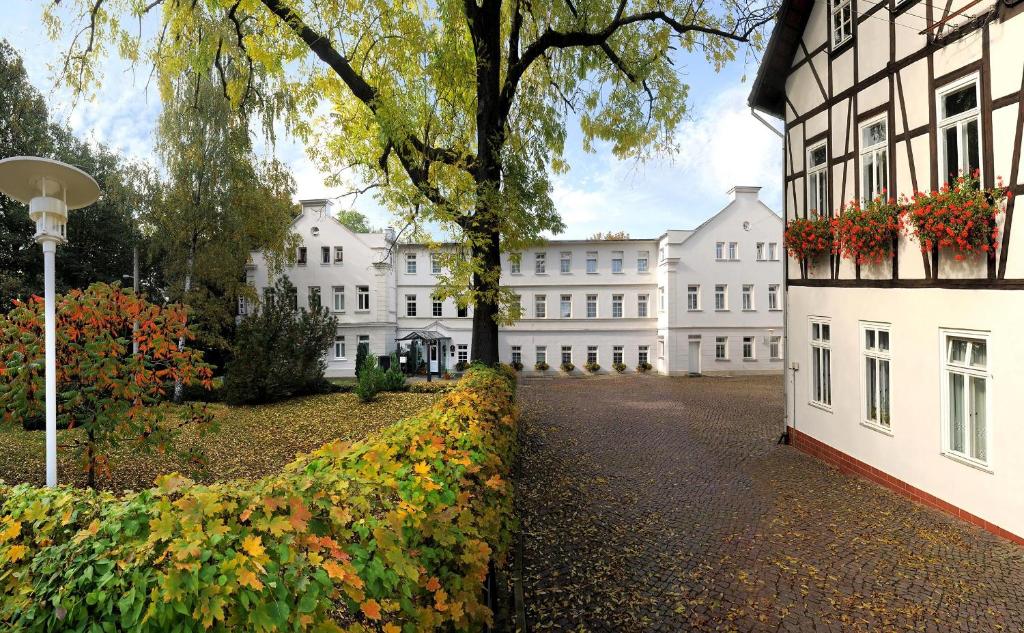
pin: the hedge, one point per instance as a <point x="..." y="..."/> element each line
<point x="393" y="533"/>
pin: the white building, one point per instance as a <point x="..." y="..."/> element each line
<point x="702" y="301"/>
<point x="906" y="371"/>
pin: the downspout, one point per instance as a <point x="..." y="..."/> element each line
<point x="784" y="437"/>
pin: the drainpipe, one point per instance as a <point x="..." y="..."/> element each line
<point x="784" y="437"/>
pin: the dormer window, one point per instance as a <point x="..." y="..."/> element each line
<point x="841" y="21"/>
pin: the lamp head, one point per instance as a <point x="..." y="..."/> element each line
<point x="50" y="188"/>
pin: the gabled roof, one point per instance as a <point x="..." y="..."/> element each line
<point x="424" y="335"/>
<point x="769" y="91"/>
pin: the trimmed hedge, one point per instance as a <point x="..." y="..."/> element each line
<point x="392" y="533"/>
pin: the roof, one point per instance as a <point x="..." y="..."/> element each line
<point x="769" y="91"/>
<point x="424" y="335"/>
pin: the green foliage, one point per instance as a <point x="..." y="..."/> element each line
<point x="279" y="352"/>
<point x="541" y="366"/>
<point x="393" y="533"/>
<point x="370" y="381"/>
<point x="394" y="379"/>
<point x="643" y="368"/>
<point x="592" y="367"/>
<point x="568" y="367"/>
<point x="619" y="367"/>
<point x="354" y="220"/>
<point x="516" y="365"/>
<point x="114" y="395"/>
<point x="362" y="351"/>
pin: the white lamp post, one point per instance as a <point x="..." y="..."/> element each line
<point x="50" y="188"/>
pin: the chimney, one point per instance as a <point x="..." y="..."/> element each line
<point x="744" y="192"/>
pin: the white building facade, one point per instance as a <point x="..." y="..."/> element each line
<point x="702" y="301"/>
<point x="906" y="371"/>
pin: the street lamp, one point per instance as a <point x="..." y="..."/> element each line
<point x="50" y="188"/>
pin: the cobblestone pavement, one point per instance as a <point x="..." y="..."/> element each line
<point x="664" y="504"/>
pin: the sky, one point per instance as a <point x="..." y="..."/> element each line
<point x="720" y="144"/>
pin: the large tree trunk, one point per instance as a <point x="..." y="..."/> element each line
<point x="486" y="30"/>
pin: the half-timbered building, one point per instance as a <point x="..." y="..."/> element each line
<point x="909" y="371"/>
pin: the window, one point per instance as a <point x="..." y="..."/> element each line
<point x="821" y="362"/>
<point x="773" y="296"/>
<point x="565" y="262"/>
<point x="410" y="263"/>
<point x="959" y="129"/>
<point x="693" y="298"/>
<point x="734" y="251"/>
<point x="643" y="354"/>
<point x="747" y="297"/>
<point x="966" y="395"/>
<point x="875" y="339"/>
<point x="841" y="21"/>
<point x="540" y="306"/>
<point x="642" y="261"/>
<point x="661" y="253"/>
<point x="301" y="257"/>
<point x="567" y="353"/>
<point x="410" y="305"/>
<point x="616" y="306"/>
<point x="339" y="298"/>
<point x="363" y="297"/>
<point x="748" y="348"/>
<point x="515" y="261"/>
<point x="591" y="306"/>
<point x="542" y="354"/>
<point x="759" y="250"/>
<point x="517" y="354"/>
<point x="721" y="297"/>
<point x="437" y="308"/>
<point x="591" y="353"/>
<point x="325" y="254"/>
<point x="435" y="264"/>
<point x="817" y="181"/>
<point x="661" y="298"/>
<point x="518" y="301"/>
<point x="540" y="262"/>
<point x="641" y="306"/>
<point x="313" y="298"/>
<point x="462" y="353"/>
<point x="617" y="355"/>
<point x="592" y="262"/>
<point x="719" y="250"/>
<point x="462" y="312"/>
<point x="773" y="251"/>
<point x="566" y="306"/>
<point x="363" y="339"/>
<point x="874" y="158"/>
<point x="721" y="348"/>
<point x="339" y="347"/>
<point x="775" y="347"/>
<point x="293" y="298"/>
<point x="616" y="261"/>
<point x="339" y="254"/>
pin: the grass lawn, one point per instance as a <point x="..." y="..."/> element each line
<point x="251" y="441"/>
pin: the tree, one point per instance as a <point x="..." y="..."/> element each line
<point x="100" y="237"/>
<point x="279" y="352"/>
<point x="105" y="389"/>
<point x="610" y="236"/>
<point x="455" y="111"/>
<point x="218" y="204"/>
<point x="354" y="220"/>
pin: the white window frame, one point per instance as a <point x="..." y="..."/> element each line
<point x="592" y="350"/>
<point x="515" y="264"/>
<point x="437" y="308"/>
<point x="960" y="121"/>
<point x="759" y="251"/>
<point x="540" y="263"/>
<point x="591" y="306"/>
<point x="411" y="307"/>
<point x="820" y="348"/>
<point x="840" y="22"/>
<point x="747" y="297"/>
<point x="875" y="355"/>
<point x="410" y="263"/>
<point x="325" y="255"/>
<point x="720" y="251"/>
<point x="721" y="348"/>
<point x="773" y="297"/>
<point x="642" y="306"/>
<point x="773" y="251"/>
<point x="540" y="306"/>
<point x="435" y="264"/>
<point x="817" y="182"/>
<point x="661" y="299"/>
<point x="617" y="355"/>
<point x="339" y="347"/>
<point x="302" y="256"/>
<point x="591" y="262"/>
<point x="565" y="262"/>
<point x="617" y="257"/>
<point x="722" y="292"/>
<point x="693" y="298"/>
<point x="643" y="354"/>
<point x="734" y="251"/>
<point x="750" y="341"/>
<point x="462" y="353"/>
<point x="339" y="254"/>
<point x="363" y="298"/>
<point x="517" y="354"/>
<point x="563" y="302"/>
<point x="775" y="347"/>
<point x="566" y="354"/>
<point x="540" y="353"/>
<point x="874" y="172"/>
<point x="617" y="306"/>
<point x="643" y="261"/>
<point x="966" y="369"/>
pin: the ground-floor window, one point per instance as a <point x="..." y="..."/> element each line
<point x="966" y="395"/>
<point x="364" y="339"/>
<point x="821" y="361"/>
<point x="462" y="353"/>
<point x="567" y="353"/>
<point x="339" y="347"/>
<point x="643" y="354"/>
<point x="875" y="343"/>
<point x="592" y="353"/>
<point x="775" y="347"/>
<point x="748" y="348"/>
<point x="517" y="354"/>
<point x="542" y="354"/>
<point x="721" y="348"/>
<point x="617" y="355"/>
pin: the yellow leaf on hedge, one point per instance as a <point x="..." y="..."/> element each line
<point x="16" y="552"/>
<point x="371" y="609"/>
<point x="13" y="529"/>
<point x="392" y="628"/>
<point x="334" y="570"/>
<point x="247" y="578"/>
<point x="422" y="468"/>
<point x="253" y="546"/>
<point x="495" y="482"/>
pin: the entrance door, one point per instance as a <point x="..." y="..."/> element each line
<point x="695" y="358"/>
<point x="433" y="358"/>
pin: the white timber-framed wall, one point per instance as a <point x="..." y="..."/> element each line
<point x="877" y="83"/>
<point x="615" y="290"/>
